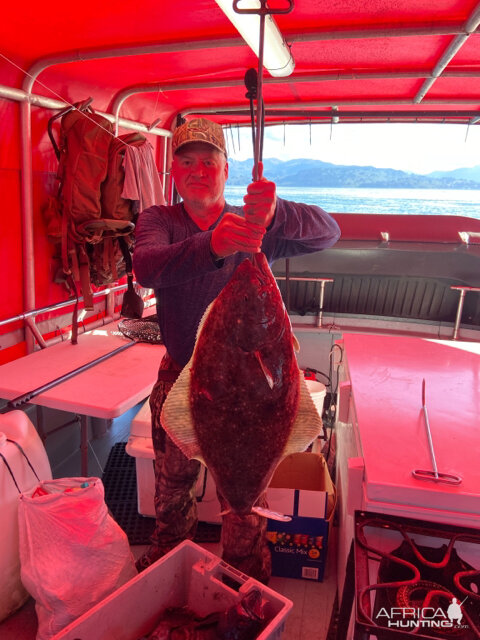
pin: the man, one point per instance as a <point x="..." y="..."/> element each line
<point x="187" y="253"/>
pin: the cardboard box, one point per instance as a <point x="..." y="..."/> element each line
<point x="301" y="488"/>
<point x="186" y="576"/>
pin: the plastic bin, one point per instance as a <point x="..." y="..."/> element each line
<point x="186" y="576"/>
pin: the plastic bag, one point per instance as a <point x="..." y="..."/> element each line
<point x="72" y="553"/>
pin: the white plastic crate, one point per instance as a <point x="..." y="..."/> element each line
<point x="186" y="576"/>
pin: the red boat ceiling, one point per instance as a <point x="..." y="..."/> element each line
<point x="356" y="56"/>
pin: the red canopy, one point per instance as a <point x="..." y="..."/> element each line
<point x="355" y="60"/>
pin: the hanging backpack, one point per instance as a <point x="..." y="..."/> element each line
<point x="89" y="221"/>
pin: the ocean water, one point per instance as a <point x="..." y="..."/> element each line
<point x="454" y="202"/>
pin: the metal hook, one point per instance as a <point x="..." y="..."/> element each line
<point x="432" y="474"/>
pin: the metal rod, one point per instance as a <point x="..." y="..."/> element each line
<point x="122" y="95"/>
<point x="448" y="55"/>
<point x="19" y="95"/>
<point x="26" y="397"/>
<point x="103" y="53"/>
<point x="84" y="423"/>
<point x="429" y="433"/>
<point x="75" y="420"/>
<point x="59" y="305"/>
<point x="322" y="281"/>
<point x="320" y="303"/>
<point x="28" y="261"/>
<point x="30" y="322"/>
<point x="461" y="300"/>
<point x="259" y="117"/>
<point x="304" y="279"/>
<point x="458" y="317"/>
<point x="433" y="474"/>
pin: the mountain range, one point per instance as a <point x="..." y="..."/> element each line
<point x="304" y="172"/>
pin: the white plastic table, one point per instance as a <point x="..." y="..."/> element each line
<point x="106" y="390"/>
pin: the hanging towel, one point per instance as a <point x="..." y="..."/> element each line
<point x="141" y="177"/>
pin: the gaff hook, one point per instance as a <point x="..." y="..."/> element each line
<point x="262" y="11"/>
<point x="432" y="474"/>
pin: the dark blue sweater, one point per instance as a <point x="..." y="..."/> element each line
<point x="172" y="256"/>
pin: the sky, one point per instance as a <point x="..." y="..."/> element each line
<point x="412" y="147"/>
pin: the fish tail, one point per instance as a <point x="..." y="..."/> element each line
<point x="272" y="515"/>
<point x="265" y="513"/>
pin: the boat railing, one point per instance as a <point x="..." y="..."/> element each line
<point x="463" y="290"/>
<point x="29" y="316"/>
<point x="322" y="281"/>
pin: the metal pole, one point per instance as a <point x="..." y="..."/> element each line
<point x="259" y="136"/>
<point x="322" y="281"/>
<point x="320" y="304"/>
<point x="429" y="433"/>
<point x="59" y="305"/>
<point x="461" y="300"/>
<point x="27" y="216"/>
<point x="19" y="401"/>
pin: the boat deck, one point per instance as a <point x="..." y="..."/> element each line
<point x="313" y="601"/>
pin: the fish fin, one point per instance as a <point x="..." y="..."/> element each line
<point x="202" y="322"/>
<point x="265" y="513"/>
<point x="308" y="424"/>
<point x="273" y="515"/>
<point x="176" y="416"/>
<point x="296" y="344"/>
<point x="264" y="368"/>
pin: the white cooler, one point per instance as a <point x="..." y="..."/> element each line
<point x="140" y="447"/>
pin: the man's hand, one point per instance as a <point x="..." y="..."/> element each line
<point x="233" y="234"/>
<point x="260" y="201"/>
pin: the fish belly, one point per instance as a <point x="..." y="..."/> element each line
<point x="242" y="421"/>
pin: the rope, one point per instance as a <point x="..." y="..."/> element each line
<point x="57" y="95"/>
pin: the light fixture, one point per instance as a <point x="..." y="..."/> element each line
<point x="277" y="58"/>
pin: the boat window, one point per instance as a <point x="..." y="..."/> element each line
<point x="389" y="168"/>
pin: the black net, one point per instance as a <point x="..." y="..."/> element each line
<point x="142" y="329"/>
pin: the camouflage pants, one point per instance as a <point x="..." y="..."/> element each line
<point x="243" y="537"/>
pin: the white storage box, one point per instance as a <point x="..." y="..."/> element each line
<point x="186" y="576"/>
<point x="140" y="447"/>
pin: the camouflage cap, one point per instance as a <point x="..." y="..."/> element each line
<point x="199" y="130"/>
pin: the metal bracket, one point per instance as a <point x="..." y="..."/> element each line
<point x="263" y="9"/>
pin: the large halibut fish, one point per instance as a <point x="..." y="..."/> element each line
<point x="241" y="403"/>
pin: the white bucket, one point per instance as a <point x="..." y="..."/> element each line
<point x="317" y="391"/>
